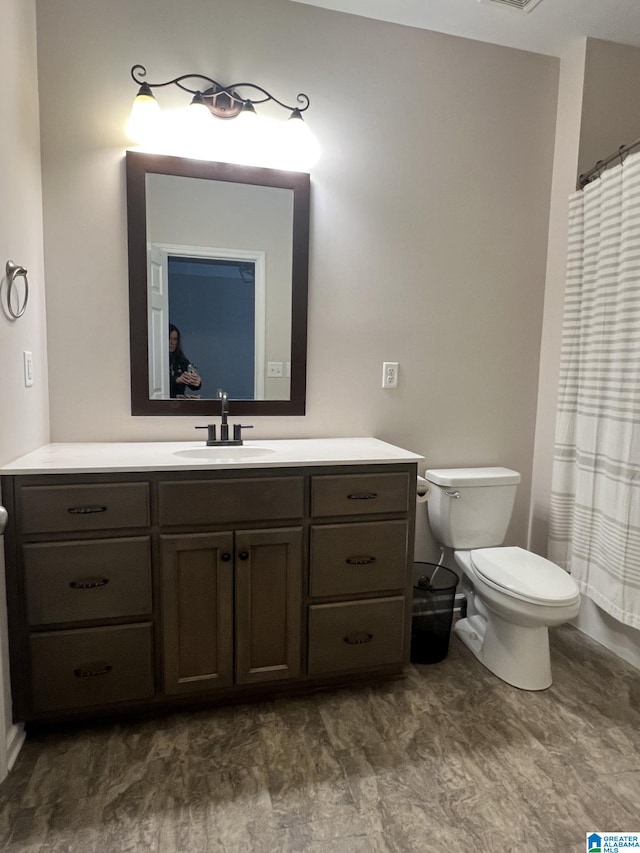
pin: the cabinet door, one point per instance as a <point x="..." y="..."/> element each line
<point x="197" y="611"/>
<point x="268" y="604"/>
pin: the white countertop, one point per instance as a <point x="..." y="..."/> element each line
<point x="97" y="457"/>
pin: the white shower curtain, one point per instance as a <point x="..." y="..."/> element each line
<point x="595" y="501"/>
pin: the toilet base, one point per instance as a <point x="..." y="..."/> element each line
<point x="517" y="654"/>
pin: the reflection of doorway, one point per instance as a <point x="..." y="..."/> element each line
<point x="216" y="299"/>
<point x="212" y="302"/>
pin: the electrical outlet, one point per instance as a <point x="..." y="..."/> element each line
<point x="390" y="374"/>
<point x="274" y="368"/>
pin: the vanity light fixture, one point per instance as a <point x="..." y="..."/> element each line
<point x="206" y="123"/>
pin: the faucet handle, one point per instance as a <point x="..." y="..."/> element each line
<point x="211" y="433"/>
<point x="237" y="431"/>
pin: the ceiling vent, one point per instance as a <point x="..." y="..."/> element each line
<point x="521" y="5"/>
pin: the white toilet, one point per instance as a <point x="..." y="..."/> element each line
<point x="513" y="596"/>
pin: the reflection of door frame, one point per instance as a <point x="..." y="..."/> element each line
<point x="258" y="258"/>
<point x="158" y="323"/>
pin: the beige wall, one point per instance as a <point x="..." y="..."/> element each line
<point x="23" y="411"/>
<point x="24" y="419"/>
<point x="429" y="218"/>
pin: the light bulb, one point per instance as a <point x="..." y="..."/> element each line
<point x="247" y="113"/>
<point x="198" y="115"/>
<point x="194" y="130"/>
<point x="248" y="130"/>
<point x="145" y="117"/>
<point x="300" y="148"/>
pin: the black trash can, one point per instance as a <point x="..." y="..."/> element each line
<point x="434" y="595"/>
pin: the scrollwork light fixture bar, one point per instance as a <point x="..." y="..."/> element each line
<point x="194" y="131"/>
<point x="212" y="92"/>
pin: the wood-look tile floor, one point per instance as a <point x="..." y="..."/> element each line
<point x="448" y="759"/>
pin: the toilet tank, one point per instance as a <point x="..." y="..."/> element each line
<point x="471" y="507"/>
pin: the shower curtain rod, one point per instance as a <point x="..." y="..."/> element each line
<point x="596" y="171"/>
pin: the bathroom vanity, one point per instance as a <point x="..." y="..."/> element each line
<point x="154" y="574"/>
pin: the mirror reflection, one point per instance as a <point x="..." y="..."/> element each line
<point x="219" y="272"/>
<point x="209" y="297"/>
<point x="218" y="286"/>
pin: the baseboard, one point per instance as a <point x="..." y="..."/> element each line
<point x="15" y="739"/>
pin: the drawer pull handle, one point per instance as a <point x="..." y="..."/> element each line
<point x="362" y="496"/>
<point x="89" y="583"/>
<point x="360" y="560"/>
<point x="244" y="555"/>
<point x="86" y="510"/>
<point x="358" y="638"/>
<point x="93" y="670"/>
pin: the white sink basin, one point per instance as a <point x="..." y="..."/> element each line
<point x="224" y="454"/>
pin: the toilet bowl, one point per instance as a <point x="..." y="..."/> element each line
<point x="513" y="596"/>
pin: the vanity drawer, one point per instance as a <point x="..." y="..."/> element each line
<point x="358" y="558"/>
<point x="359" y="494"/>
<point x="356" y="635"/>
<point x="95" y="579"/>
<point x="74" y="508"/>
<point x="92" y="666"/>
<point x="191" y="502"/>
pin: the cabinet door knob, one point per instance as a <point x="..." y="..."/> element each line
<point x="243" y="555"/>
<point x="225" y="557"/>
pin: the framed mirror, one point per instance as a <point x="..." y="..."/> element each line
<point x="218" y="281"/>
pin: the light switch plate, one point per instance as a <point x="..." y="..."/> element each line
<point x="28" y="368"/>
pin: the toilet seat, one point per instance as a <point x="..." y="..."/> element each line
<point x="525" y="575"/>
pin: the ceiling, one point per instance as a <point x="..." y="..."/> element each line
<point x="550" y="27"/>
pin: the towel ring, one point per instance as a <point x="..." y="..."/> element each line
<point x="15" y="271"/>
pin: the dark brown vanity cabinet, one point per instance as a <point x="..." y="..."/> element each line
<point x="358" y="574"/>
<point x="231" y="600"/>
<point x="148" y="589"/>
<point x="231" y="608"/>
<point x="79" y="580"/>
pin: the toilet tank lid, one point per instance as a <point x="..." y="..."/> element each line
<point x="472" y="476"/>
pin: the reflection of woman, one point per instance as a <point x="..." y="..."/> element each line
<point x="183" y="375"/>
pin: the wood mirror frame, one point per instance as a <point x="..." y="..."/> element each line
<point x="138" y="166"/>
